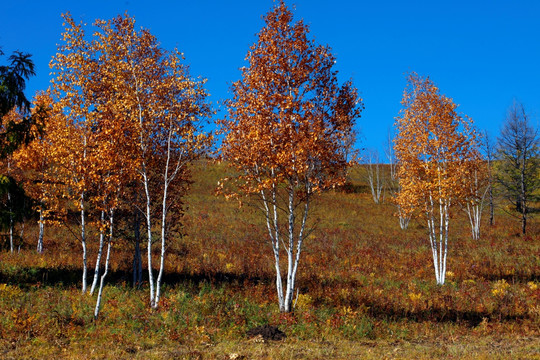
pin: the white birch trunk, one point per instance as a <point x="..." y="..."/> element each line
<point x="433" y="244"/>
<point x="41" y="231"/>
<point x="299" y="245"/>
<point x="271" y="215"/>
<point x="170" y="173"/>
<point x="279" y="282"/>
<point x="293" y="247"/>
<point x="374" y="178"/>
<point x="439" y="239"/>
<point x="441" y="236"/>
<point x="163" y="234"/>
<point x="143" y="146"/>
<point x="474" y="213"/>
<point x="102" y="282"/>
<point x="83" y="228"/>
<point x="403" y="219"/>
<point x="11" y="243"/>
<point x="21" y="237"/>
<point x="287" y="306"/>
<point x="149" y="238"/>
<point x="83" y="243"/>
<point x="100" y="251"/>
<point x="446" y="224"/>
<point x="148" y="213"/>
<point x="475" y="208"/>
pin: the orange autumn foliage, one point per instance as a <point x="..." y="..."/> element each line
<point x="289" y="120"/>
<point x="435" y="147"/>
<point x="436" y="151"/>
<point x="288" y="125"/>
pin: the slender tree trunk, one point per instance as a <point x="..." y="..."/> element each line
<point x="144" y="147"/>
<point x="300" y="242"/>
<point x="21" y="236"/>
<point x="149" y="239"/>
<point x="442" y="242"/>
<point x="100" y="251"/>
<point x="163" y="238"/>
<point x="523" y="203"/>
<point x="41" y="231"/>
<point x="475" y="209"/>
<point x="403" y="219"/>
<point x="102" y="282"/>
<point x="474" y="212"/>
<point x="434" y="250"/>
<point x="289" y="290"/>
<point x="441" y="222"/>
<point x="279" y="281"/>
<point x="270" y="209"/>
<point x="168" y="176"/>
<point x="446" y="224"/>
<point x="11" y="244"/>
<point x="293" y="247"/>
<point x="374" y="178"/>
<point x="439" y="239"/>
<point x="83" y="243"/>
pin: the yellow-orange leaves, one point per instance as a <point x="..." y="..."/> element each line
<point x="288" y="119"/>
<point x="287" y="126"/>
<point x="435" y="147"/>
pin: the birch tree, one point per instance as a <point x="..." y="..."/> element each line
<point x="404" y="216"/>
<point x="73" y="139"/>
<point x="287" y="122"/>
<point x="117" y="170"/>
<point x="374" y="176"/>
<point x="476" y="191"/>
<point x="434" y="148"/>
<point x="162" y="110"/>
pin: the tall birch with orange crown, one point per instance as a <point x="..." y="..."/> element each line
<point x="145" y="113"/>
<point x="288" y="123"/>
<point x="72" y="65"/>
<point x="167" y="109"/>
<point x="434" y="148"/>
<point x="146" y="98"/>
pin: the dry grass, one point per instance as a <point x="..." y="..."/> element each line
<point x="367" y="290"/>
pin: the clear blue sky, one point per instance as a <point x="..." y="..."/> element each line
<point x="483" y="54"/>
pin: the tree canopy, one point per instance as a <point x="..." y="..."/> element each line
<point x="435" y="148"/>
<point x="287" y="127"/>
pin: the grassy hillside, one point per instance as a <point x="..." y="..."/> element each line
<point x="366" y="289"/>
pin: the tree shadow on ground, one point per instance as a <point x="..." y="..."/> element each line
<point x="26" y="277"/>
<point x="71" y="277"/>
